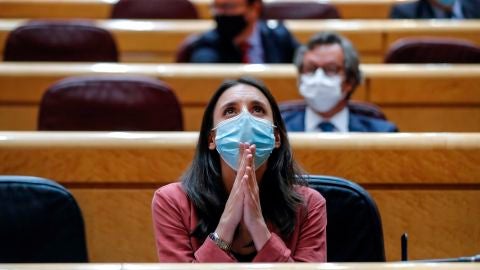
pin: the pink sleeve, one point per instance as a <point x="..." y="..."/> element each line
<point x="172" y="235"/>
<point x="311" y="242"/>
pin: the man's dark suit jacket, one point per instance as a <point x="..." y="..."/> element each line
<point x="471" y="9"/>
<point x="295" y="121"/>
<point x="422" y="9"/>
<point x="278" y="46"/>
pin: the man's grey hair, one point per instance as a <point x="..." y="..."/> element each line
<point x="351" y="60"/>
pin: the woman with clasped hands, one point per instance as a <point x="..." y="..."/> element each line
<point x="242" y="198"/>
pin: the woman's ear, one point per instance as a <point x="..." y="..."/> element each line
<point x="277" y="139"/>
<point x="211" y="141"/>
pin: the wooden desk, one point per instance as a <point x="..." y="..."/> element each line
<point x="157" y="40"/>
<point x="425" y="184"/>
<point x="416" y="97"/>
<point x="101" y="9"/>
<point x="245" y="266"/>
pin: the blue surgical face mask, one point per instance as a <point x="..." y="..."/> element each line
<point x="244" y="128"/>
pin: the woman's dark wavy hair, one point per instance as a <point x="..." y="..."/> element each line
<point x="203" y="180"/>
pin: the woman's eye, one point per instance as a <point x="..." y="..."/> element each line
<point x="228" y="111"/>
<point x="258" y="109"/>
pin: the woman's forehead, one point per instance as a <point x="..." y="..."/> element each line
<point x="242" y="93"/>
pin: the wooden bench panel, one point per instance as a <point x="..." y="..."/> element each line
<point x="119" y="225"/>
<point x="19" y="117"/>
<point x="38" y="9"/>
<point x="447" y="118"/>
<point x="439" y="221"/>
<point x="424" y="184"/>
<point x="120" y="157"/>
<point x="445" y="90"/>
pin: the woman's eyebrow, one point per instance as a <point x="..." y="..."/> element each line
<point x="259" y="103"/>
<point x="228" y="104"/>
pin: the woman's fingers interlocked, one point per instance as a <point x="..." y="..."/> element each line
<point x="252" y="210"/>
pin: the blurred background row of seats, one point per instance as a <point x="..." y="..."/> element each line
<point x="279" y="9"/>
<point x="282" y="10"/>
<point x="128" y="103"/>
<point x="82" y="41"/>
<point x="442" y="98"/>
<point x="184" y="9"/>
<point x="157" y="41"/>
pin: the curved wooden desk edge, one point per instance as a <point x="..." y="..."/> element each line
<point x="188" y="140"/>
<point x="221" y="70"/>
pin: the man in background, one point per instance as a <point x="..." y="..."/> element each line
<point x="437" y="9"/>
<point x="241" y="37"/>
<point x="329" y="73"/>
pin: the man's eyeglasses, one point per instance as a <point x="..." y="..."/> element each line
<point x="329" y="70"/>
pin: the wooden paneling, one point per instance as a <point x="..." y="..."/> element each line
<point x="446" y="90"/>
<point x="416" y="97"/>
<point x="99" y="9"/>
<point x="425" y="184"/>
<point x="38" y="9"/>
<point x="119" y="226"/>
<point x="440" y="118"/>
<point x="148" y="157"/>
<point x="19" y="117"/>
<point x="102" y="164"/>
<point x="118" y="223"/>
<point x="440" y="222"/>
<point x="157" y="40"/>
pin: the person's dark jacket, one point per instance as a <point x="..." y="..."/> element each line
<point x="471" y="9"/>
<point x="278" y="46"/>
<point x="295" y="121"/>
<point x="422" y="9"/>
<point x="413" y="10"/>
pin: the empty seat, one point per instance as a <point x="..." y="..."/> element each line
<point x="433" y="50"/>
<point x="60" y="41"/>
<point x="354" y="226"/>
<point x="154" y="9"/>
<point x="287" y="10"/>
<point x="40" y="222"/>
<point x="110" y="103"/>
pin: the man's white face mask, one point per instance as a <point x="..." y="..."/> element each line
<point x="321" y="92"/>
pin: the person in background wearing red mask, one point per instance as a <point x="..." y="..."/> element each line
<point x="329" y="72"/>
<point x="241" y="36"/>
<point x="437" y="9"/>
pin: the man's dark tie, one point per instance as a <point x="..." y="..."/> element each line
<point x="326" y="127"/>
<point x="244" y="48"/>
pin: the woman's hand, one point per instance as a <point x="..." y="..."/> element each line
<point x="233" y="212"/>
<point x="252" y="210"/>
